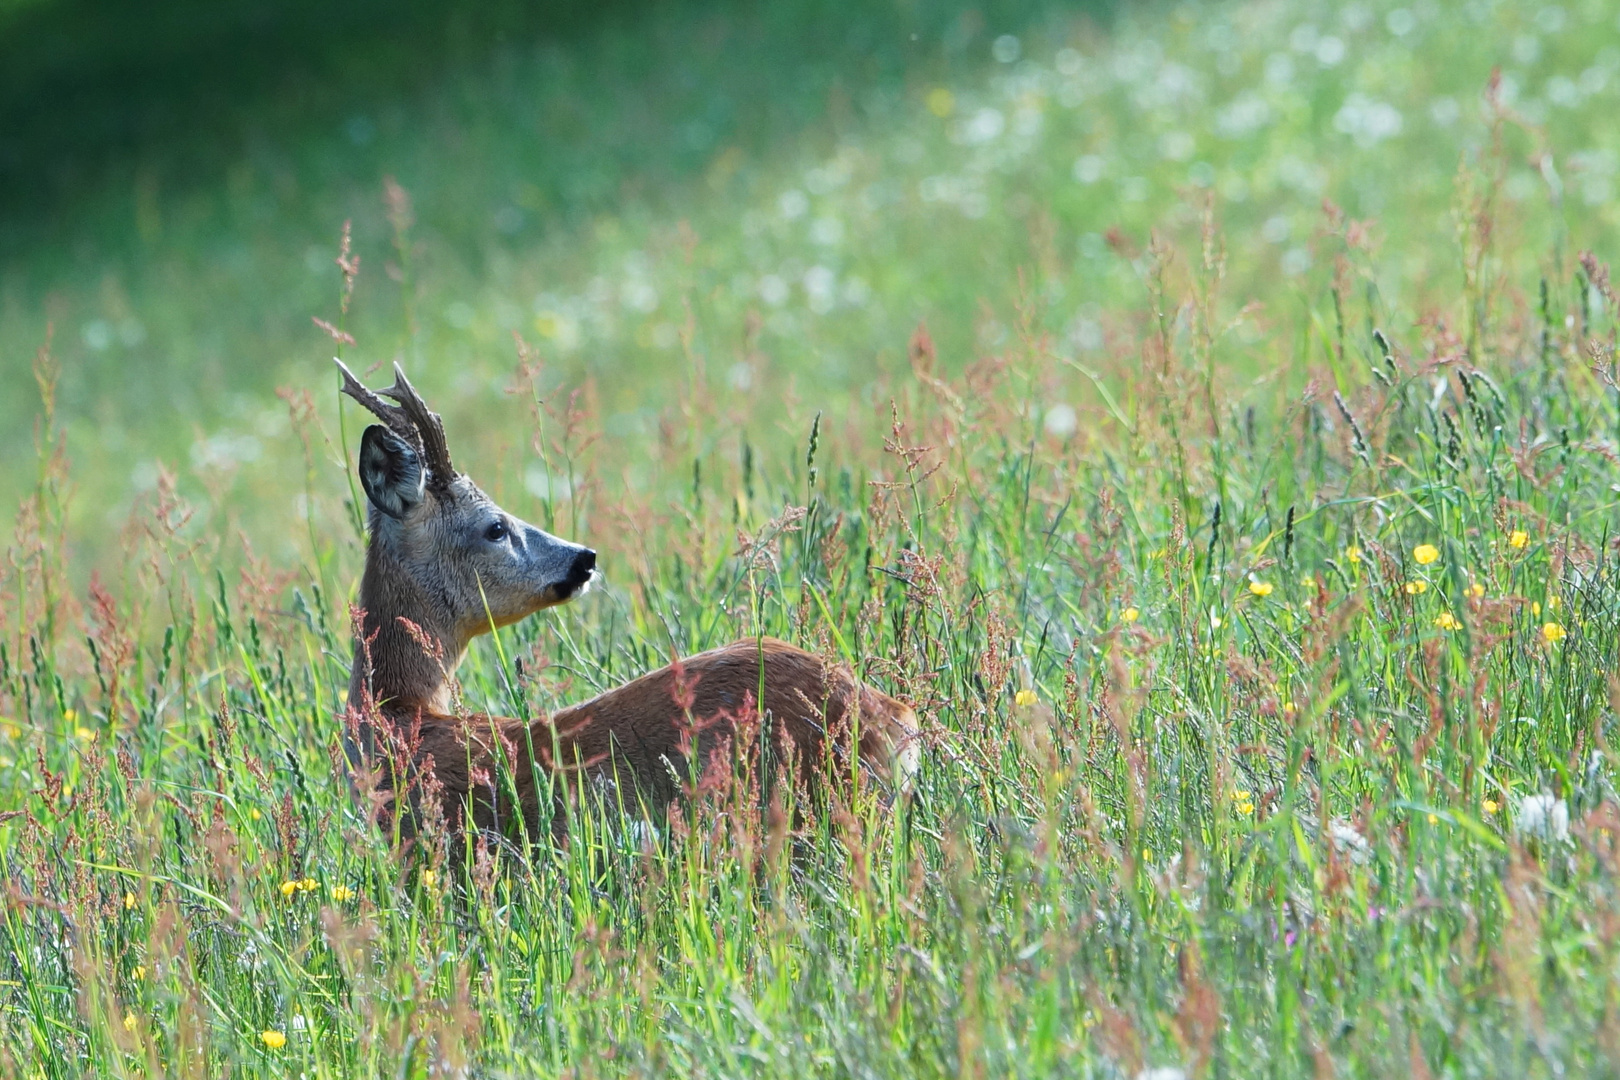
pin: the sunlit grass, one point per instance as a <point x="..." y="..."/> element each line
<point x="1266" y="653"/>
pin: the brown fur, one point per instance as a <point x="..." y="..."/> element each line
<point x="643" y="743"/>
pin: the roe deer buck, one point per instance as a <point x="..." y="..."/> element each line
<point x="445" y="564"/>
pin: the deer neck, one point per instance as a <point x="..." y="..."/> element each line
<point x="411" y="649"/>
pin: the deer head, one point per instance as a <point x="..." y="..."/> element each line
<point x="443" y="562"/>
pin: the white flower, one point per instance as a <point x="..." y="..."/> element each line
<point x="1542" y="816"/>
<point x="1350" y="842"/>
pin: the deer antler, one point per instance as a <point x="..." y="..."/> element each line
<point x="428" y="425"/>
<point x="411" y="420"/>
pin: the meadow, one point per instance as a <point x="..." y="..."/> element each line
<point x="1206" y="415"/>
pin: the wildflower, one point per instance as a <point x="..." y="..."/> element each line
<point x="1434" y="819"/>
<point x="129" y="1021"/>
<point x="1347" y="840"/>
<point x="253" y="812"/>
<point x="1446" y="621"/>
<point x="1416" y="588"/>
<point x="429" y="879"/>
<point x="85" y="733"/>
<point x="1260" y="588"/>
<point x="1025" y="698"/>
<point x="341" y="893"/>
<point x="1242" y="802"/>
<point x="1535" y="608"/>
<point x="1490" y="806"/>
<point x="1476" y="590"/>
<point x="1517" y="539"/>
<point x="139" y="973"/>
<point x="1130" y="615"/>
<point x="1352" y="555"/>
<point x="1553" y="632"/>
<point x="70" y="715"/>
<point x="288" y="888"/>
<point x="129" y="901"/>
<point x="309" y="884"/>
<point x="1426" y="554"/>
<point x="1308" y="581"/>
<point x="275" y="1040"/>
<point x="1542" y="816"/>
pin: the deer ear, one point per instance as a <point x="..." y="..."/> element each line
<point x="390" y="471"/>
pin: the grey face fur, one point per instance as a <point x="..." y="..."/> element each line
<point x="474" y="562"/>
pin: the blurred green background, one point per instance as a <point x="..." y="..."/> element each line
<point x="747" y="199"/>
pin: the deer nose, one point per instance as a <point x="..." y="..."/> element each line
<point x="583" y="566"/>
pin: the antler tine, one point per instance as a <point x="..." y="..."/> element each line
<point x="397" y="419"/>
<point x="428" y="426"/>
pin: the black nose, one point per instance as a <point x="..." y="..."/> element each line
<point x="584" y="565"/>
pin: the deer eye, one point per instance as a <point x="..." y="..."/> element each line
<point x="496" y="532"/>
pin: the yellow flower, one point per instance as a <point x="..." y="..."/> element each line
<point x="1240" y="795"/>
<point x="85" y="733"/>
<point x="429" y="879"/>
<point x="1552" y="632"/>
<point x="309" y="884"/>
<point x="1308" y="581"/>
<point x="129" y="1021"/>
<point x="1130" y="615"/>
<point x="1147" y="855"/>
<point x="1426" y="554"/>
<point x="1352" y="555"/>
<point x="1518" y="538"/>
<point x="129" y="901"/>
<point x="1490" y="806"/>
<point x="70" y="715"/>
<point x="1416" y="588"/>
<point x="275" y="1040"/>
<point x="1433" y="820"/>
<point x="1260" y="588"/>
<point x="253" y="812"/>
<point x="1245" y="808"/>
<point x="139" y="973"/>
<point x="1446" y="621"/>
<point x="288" y="888"/>
<point x="341" y="893"/>
<point x="1535" y="608"/>
<point x="1476" y="590"/>
<point x="1025" y="698"/>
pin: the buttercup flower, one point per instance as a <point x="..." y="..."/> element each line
<point x="129" y="1021"/>
<point x="1426" y="554"/>
<point x="1476" y="590"/>
<point x="1490" y="806"/>
<point x="129" y="901"/>
<point x="1024" y="698"/>
<point x="1446" y="621"/>
<point x="288" y="888"/>
<point x="1352" y="555"/>
<point x="341" y="893"/>
<point x="1260" y="588"/>
<point x="1130" y="615"/>
<point x="1552" y="632"/>
<point x="275" y="1040"/>
<point x="1518" y="538"/>
<point x="1416" y="588"/>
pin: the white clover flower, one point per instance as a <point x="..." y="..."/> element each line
<point x="1349" y="841"/>
<point x="1542" y="816"/>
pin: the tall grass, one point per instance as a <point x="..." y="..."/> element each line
<point x="1266" y="655"/>
<point x="1241" y="710"/>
